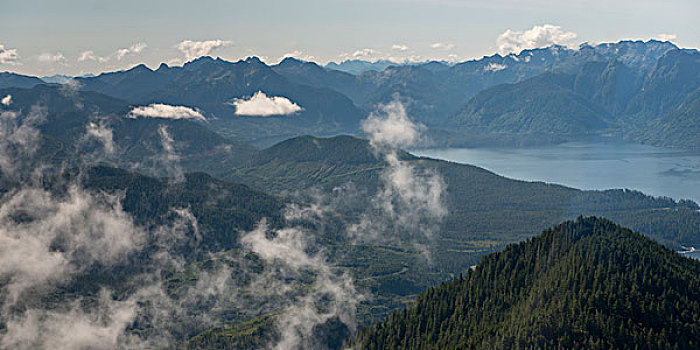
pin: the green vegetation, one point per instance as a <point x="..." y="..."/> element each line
<point x="539" y="105"/>
<point x="481" y="205"/>
<point x="222" y="209"/>
<point x="250" y="334"/>
<point x="585" y="284"/>
<point x="656" y="105"/>
<point x="580" y="271"/>
<point x="486" y="212"/>
<point x="135" y="143"/>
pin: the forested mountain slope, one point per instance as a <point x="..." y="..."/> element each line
<point x="80" y="126"/>
<point x="585" y="284"/>
<point x="604" y="98"/>
<point x="480" y="204"/>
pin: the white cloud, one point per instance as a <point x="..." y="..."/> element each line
<point x="8" y="56"/>
<point x="91" y="228"/>
<point x="159" y="110"/>
<point x="413" y="199"/>
<point x="392" y="127"/>
<point x="7" y="100"/>
<point x="494" y="67"/>
<point x="665" y="37"/>
<point x="90" y="56"/>
<point x="120" y="54"/>
<point x="103" y="134"/>
<point x="47" y="239"/>
<point x="512" y="41"/>
<point x="263" y="106"/>
<point x="331" y="295"/>
<point x="73" y="329"/>
<point x="298" y="54"/>
<point x="58" y="237"/>
<point x="51" y="58"/>
<point x="19" y="139"/>
<point x="136" y="48"/>
<point x="399" y="55"/>
<point x="194" y="49"/>
<point x="446" y="46"/>
<point x="363" y="53"/>
<point x="453" y="58"/>
<point x="170" y="159"/>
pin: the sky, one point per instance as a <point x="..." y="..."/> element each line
<point x="75" y="37"/>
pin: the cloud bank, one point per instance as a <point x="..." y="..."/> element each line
<point x="159" y="110"/>
<point x="329" y="296"/>
<point x="261" y="105"/>
<point x="392" y="127"/>
<point x="90" y="56"/>
<point x="363" y="53"/>
<point x="19" y="142"/>
<point x="7" y="100"/>
<point x="136" y="48"/>
<point x="665" y="37"/>
<point x="8" y="56"/>
<point x="298" y="54"/>
<point x="443" y="46"/>
<point x="103" y="134"/>
<point x="49" y="238"/>
<point x="194" y="49"/>
<point x="494" y="67"/>
<point x="51" y="58"/>
<point x="89" y="228"/>
<point x="512" y="41"/>
<point x="72" y="329"/>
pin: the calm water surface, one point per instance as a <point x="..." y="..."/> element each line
<point x="594" y="166"/>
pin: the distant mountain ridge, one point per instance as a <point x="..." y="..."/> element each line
<point x="433" y="95"/>
<point x="212" y="84"/>
<point x="640" y="105"/>
<point x="8" y="79"/>
<point x="626" y="89"/>
<point x="360" y="66"/>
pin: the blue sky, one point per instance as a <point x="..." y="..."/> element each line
<point x="83" y="36"/>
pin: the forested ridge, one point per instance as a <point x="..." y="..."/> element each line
<point x="146" y="209"/>
<point x="584" y="284"/>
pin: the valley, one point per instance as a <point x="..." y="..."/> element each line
<point x="542" y="198"/>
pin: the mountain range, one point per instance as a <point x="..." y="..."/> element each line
<point x="78" y="126"/>
<point x="485" y="211"/>
<point x="622" y="90"/>
<point x="212" y="85"/>
<point x="251" y="224"/>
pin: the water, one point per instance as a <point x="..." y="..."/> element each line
<point x="593" y="166"/>
<point x="695" y="254"/>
